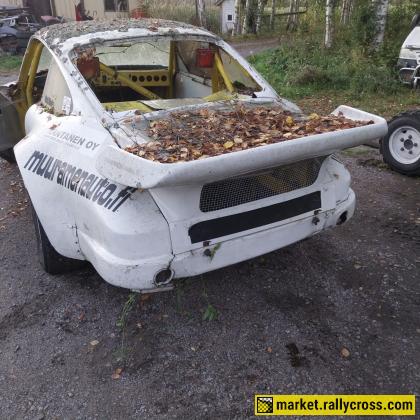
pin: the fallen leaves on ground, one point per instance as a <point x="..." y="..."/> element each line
<point x="345" y="352"/>
<point x="198" y="134"/>
<point x="117" y="374"/>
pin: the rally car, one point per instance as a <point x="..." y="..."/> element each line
<point x="85" y="92"/>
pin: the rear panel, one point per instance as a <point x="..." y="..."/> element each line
<point x="208" y="213"/>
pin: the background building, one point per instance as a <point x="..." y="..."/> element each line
<point x="227" y="15"/>
<point x="98" y="9"/>
<point x="17" y="3"/>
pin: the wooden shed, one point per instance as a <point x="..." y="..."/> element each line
<point x="227" y="15"/>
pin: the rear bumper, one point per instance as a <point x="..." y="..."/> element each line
<point x="253" y="245"/>
<point x="140" y="274"/>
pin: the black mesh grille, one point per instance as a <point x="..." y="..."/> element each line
<point x="236" y="191"/>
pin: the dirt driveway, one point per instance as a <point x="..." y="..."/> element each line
<point x="281" y="324"/>
<point x="251" y="47"/>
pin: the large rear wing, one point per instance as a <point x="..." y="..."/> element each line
<point x="128" y="169"/>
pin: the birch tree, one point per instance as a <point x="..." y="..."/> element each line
<point x="346" y="11"/>
<point x="247" y="13"/>
<point x="273" y="14"/>
<point x="260" y="14"/>
<point x="329" y="25"/>
<point x="237" y="18"/>
<point x="381" y="12"/>
<point x="201" y="12"/>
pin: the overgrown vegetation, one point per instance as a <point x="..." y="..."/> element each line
<point x="184" y="11"/>
<point x="10" y="62"/>
<point x="301" y="67"/>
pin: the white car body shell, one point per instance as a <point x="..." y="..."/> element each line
<point x="132" y="218"/>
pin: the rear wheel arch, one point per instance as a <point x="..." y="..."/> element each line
<point x="51" y="261"/>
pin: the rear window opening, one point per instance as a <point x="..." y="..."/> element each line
<point x="155" y="74"/>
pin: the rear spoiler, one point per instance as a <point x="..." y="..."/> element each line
<point x="128" y="169"/>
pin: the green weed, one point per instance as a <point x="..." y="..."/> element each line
<point x="210" y="314"/>
<point x="122" y="352"/>
<point x="126" y="310"/>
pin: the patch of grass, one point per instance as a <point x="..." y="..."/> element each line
<point x="305" y="69"/>
<point x="10" y="62"/>
<point x="358" y="151"/>
<point x="122" y="352"/>
<point x="320" y="79"/>
<point x="126" y="310"/>
<point x="385" y="104"/>
<point x="210" y="314"/>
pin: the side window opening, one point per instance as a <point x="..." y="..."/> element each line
<point x="241" y="79"/>
<point x="56" y="96"/>
<point x="41" y="74"/>
<point x="33" y="75"/>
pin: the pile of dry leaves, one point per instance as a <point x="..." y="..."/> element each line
<point x="203" y="133"/>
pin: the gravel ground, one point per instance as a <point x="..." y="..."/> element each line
<point x="7" y="77"/>
<point x="281" y="324"/>
<point x="282" y="320"/>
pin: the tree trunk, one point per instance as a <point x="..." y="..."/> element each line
<point x="289" y="18"/>
<point x="381" y="12"/>
<point x="247" y="13"/>
<point x="293" y="19"/>
<point x="346" y="10"/>
<point x="201" y="13"/>
<point x="237" y="18"/>
<point x="329" y="25"/>
<point x="260" y="13"/>
<point x="273" y="15"/>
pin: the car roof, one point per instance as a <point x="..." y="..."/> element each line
<point x="75" y="32"/>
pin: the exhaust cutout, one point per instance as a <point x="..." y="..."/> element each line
<point x="163" y="277"/>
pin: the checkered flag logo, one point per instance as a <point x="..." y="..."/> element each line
<point x="264" y="405"/>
